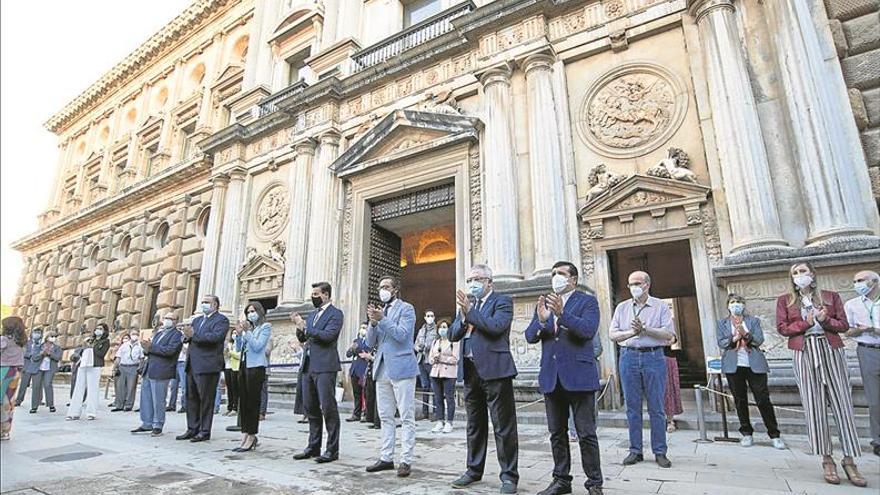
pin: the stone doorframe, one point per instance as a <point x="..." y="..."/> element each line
<point x="640" y="211"/>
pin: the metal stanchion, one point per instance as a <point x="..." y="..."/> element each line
<point x="723" y="399"/>
<point x="701" y="419"/>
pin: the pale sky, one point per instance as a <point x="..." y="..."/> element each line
<point x="52" y="51"/>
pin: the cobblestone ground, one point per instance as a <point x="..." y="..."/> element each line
<point x="48" y="455"/>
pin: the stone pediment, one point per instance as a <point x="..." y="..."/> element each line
<point x="230" y="72"/>
<point x="261" y="266"/>
<point x="404" y="133"/>
<point x="640" y="193"/>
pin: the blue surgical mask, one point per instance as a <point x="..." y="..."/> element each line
<point x="206" y="308"/>
<point x="861" y="288"/>
<point x="443" y="332"/>
<point x="253" y="317"/>
<point x="736" y="308"/>
<point x="476" y="289"/>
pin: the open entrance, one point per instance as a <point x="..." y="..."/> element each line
<point x="672" y="279"/>
<point x="267" y="302"/>
<point x="412" y="236"/>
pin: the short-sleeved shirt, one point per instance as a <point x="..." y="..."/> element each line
<point x="863" y="311"/>
<point x="655" y="314"/>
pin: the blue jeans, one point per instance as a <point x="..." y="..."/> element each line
<point x="643" y="376"/>
<point x="153" y="403"/>
<point x="179" y="382"/>
<point x="444" y="394"/>
<point x="217" y="399"/>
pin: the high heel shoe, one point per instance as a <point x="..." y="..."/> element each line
<point x="253" y="446"/>
<point x="830" y="474"/>
<point x="852" y="472"/>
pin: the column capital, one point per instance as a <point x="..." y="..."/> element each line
<point x="305" y="146"/>
<point x="220" y="180"/>
<point x="700" y="8"/>
<point x="329" y="138"/>
<point x="500" y="74"/>
<point x="543" y="60"/>
<point x="237" y="173"/>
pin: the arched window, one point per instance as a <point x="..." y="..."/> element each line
<point x="202" y="221"/>
<point x="125" y="246"/>
<point x="93" y="258"/>
<point x="162" y="235"/>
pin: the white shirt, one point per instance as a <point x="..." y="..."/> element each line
<point x="45" y="364"/>
<point x="183" y="350"/>
<point x="129" y="354"/>
<point x="863" y="311"/>
<point x="807" y="308"/>
<point x="88" y="358"/>
<point x="742" y="355"/>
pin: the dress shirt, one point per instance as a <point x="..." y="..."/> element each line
<point x="468" y="351"/>
<point x="654" y="314"/>
<point x="129" y="355"/>
<point x="379" y="372"/>
<point x="863" y="311"/>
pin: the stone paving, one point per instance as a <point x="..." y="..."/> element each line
<point x="51" y="456"/>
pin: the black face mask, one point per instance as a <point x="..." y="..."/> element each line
<point x="317" y="302"/>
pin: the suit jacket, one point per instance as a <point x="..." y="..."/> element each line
<point x="322" y="356"/>
<point x="755" y="337"/>
<point x="568" y="355"/>
<point x="791" y="324"/>
<point x="32" y="356"/>
<point x="256" y="343"/>
<point x="32" y="365"/>
<point x="393" y="339"/>
<point x="359" y="365"/>
<point x="205" y="354"/>
<point x="165" y="346"/>
<point x="490" y="339"/>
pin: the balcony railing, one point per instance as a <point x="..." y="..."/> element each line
<point x="431" y="28"/>
<point x="270" y="104"/>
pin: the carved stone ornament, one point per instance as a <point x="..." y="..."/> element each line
<point x="276" y="250"/>
<point x="674" y="166"/>
<point x="643" y="198"/>
<point x="632" y="110"/>
<point x="601" y="180"/>
<point x="272" y="211"/>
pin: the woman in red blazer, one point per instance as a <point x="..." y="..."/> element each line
<point x="813" y="320"/>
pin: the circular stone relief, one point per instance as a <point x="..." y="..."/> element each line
<point x="632" y="110"/>
<point x="272" y="211"/>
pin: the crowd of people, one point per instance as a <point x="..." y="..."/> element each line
<point x="392" y="361"/>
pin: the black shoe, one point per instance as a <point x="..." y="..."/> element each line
<point x="632" y="459"/>
<point x="304" y="455"/>
<point x="181" y="410"/>
<point x="303" y="420"/>
<point x="233" y="428"/>
<point x="127" y="409"/>
<point x="326" y="457"/>
<point x="464" y="481"/>
<point x="557" y="487"/>
<point x="877" y="450"/>
<point x="253" y="446"/>
<point x="141" y="429"/>
<point x="116" y="409"/>
<point x="508" y="487"/>
<point x="33" y="410"/>
<point x="200" y="438"/>
<point x="380" y="465"/>
<point x="156" y="432"/>
<point x="404" y="470"/>
<point x="169" y="409"/>
<point x="52" y="409"/>
<point x="186" y="436"/>
<point x="374" y="426"/>
<point x="595" y="490"/>
<point x="662" y="461"/>
<point x="352" y="419"/>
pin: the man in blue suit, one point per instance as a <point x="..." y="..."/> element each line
<point x="566" y="323"/>
<point x="392" y="332"/>
<point x="358" y="371"/>
<point x="162" y="351"/>
<point x="482" y="325"/>
<point x="204" y="363"/>
<point x="320" y="363"/>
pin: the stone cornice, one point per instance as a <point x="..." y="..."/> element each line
<point x="157" y="45"/>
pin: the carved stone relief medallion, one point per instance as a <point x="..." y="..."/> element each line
<point x="272" y="211"/>
<point x="632" y="110"/>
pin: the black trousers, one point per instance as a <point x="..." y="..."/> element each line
<point x="583" y="405"/>
<point x="298" y="404"/>
<point x="201" y="391"/>
<point x="250" y="383"/>
<point x="231" y="378"/>
<point x="357" y="392"/>
<point x="758" y="383"/>
<point x="495" y="397"/>
<point x="319" y="392"/>
<point x="372" y="412"/>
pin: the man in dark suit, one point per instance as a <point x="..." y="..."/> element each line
<point x="358" y="371"/>
<point x="320" y="364"/>
<point x="161" y="351"/>
<point x="483" y="327"/>
<point x="204" y="363"/>
<point x="566" y="322"/>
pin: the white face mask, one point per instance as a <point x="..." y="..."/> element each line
<point x="636" y="291"/>
<point x="443" y="332"/>
<point x="167" y="323"/>
<point x="135" y="339"/>
<point x="802" y="281"/>
<point x="429" y="319"/>
<point x="98" y="333"/>
<point x="559" y="282"/>
<point x="862" y="288"/>
<point x="52" y="339"/>
<point x="206" y="308"/>
<point x="362" y="332"/>
<point x="384" y="295"/>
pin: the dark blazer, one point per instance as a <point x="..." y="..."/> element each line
<point x="358" y="366"/>
<point x="35" y="359"/>
<point x="568" y="357"/>
<point x="755" y="337"/>
<point x="205" y="353"/>
<point x="490" y="339"/>
<point x="791" y="324"/>
<point x="322" y="356"/>
<point x="99" y="348"/>
<point x="162" y="356"/>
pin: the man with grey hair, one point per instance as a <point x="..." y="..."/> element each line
<point x="482" y="324"/>
<point x="642" y="326"/>
<point x="863" y="315"/>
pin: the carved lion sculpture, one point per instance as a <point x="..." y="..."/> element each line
<point x="601" y="180"/>
<point x="674" y="166"/>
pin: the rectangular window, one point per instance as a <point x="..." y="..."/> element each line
<point x="193" y="296"/>
<point x="295" y="65"/>
<point x="151" y="158"/>
<point x="113" y="304"/>
<point x="417" y="11"/>
<point x="188" y="146"/>
<point x="150" y="314"/>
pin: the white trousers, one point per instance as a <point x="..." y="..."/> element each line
<point x="397" y="395"/>
<point x="87" y="384"/>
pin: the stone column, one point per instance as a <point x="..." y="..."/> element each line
<point x="545" y="165"/>
<point x="349" y="25"/>
<point x="211" y="244"/>
<point x="325" y="226"/>
<point x="831" y="166"/>
<point x="501" y="235"/>
<point x="231" y="246"/>
<point x="754" y="220"/>
<point x="299" y="181"/>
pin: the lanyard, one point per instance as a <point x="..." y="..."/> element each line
<point x="870" y="310"/>
<point x="639" y="312"/>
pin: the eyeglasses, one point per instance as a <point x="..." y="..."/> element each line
<point x="474" y="279"/>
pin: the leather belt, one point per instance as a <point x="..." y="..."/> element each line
<point x="645" y="349"/>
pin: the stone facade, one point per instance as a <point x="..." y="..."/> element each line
<point x="239" y="150"/>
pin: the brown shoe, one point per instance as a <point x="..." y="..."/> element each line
<point x="403" y="470"/>
<point x="830" y="474"/>
<point x="852" y="472"/>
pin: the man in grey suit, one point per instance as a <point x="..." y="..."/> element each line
<point x="391" y="330"/>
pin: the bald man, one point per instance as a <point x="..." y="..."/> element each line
<point x="863" y="315"/>
<point x="643" y="327"/>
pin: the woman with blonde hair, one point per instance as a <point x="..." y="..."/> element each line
<point x="813" y="320"/>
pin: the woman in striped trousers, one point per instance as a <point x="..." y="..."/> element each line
<point x="813" y="320"/>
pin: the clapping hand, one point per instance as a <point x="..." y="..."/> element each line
<point x="543" y="311"/>
<point x="555" y="304"/>
<point x="811" y="319"/>
<point x="637" y="326"/>
<point x="464" y="303"/>
<point x="298" y="320"/>
<point x="374" y="314"/>
<point x="822" y="315"/>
